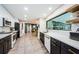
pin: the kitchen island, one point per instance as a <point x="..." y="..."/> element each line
<point x="62" y="37"/>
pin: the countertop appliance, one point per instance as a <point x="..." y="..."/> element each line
<point x="74" y="36"/>
<point x="4" y="22"/>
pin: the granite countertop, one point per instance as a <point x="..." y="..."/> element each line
<point x="64" y="37"/>
<point x="2" y="35"/>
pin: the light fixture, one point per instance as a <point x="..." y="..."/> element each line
<point x="50" y="8"/>
<point x="25" y="8"/>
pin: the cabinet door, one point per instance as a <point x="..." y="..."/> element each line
<point x="42" y="37"/>
<point x="5" y="47"/>
<point x="66" y="49"/>
<point x="55" y="46"/>
<point x="55" y="49"/>
<point x="58" y="43"/>
<point x="7" y="44"/>
<point x="8" y="41"/>
<point x="1" y="47"/>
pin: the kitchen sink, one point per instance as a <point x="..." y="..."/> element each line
<point x="74" y="36"/>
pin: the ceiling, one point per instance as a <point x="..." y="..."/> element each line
<point x="34" y="10"/>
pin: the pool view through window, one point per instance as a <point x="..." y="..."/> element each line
<point x="59" y="23"/>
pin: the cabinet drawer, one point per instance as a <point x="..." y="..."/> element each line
<point x="55" y="49"/>
<point x="55" y="41"/>
<point x="1" y="40"/>
<point x="69" y="49"/>
<point x="1" y="46"/>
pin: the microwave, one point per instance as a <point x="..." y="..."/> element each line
<point x="4" y="22"/>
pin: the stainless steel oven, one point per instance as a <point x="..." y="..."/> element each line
<point x="4" y="22"/>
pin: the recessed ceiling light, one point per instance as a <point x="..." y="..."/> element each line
<point x="50" y="8"/>
<point x="25" y="8"/>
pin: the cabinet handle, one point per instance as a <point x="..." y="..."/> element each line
<point x="71" y="51"/>
<point x="54" y="44"/>
<point x="47" y="37"/>
<point x="54" y="41"/>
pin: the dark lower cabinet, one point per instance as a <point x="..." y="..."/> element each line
<point x="55" y="49"/>
<point x="5" y="45"/>
<point x="1" y="47"/>
<point x="55" y="46"/>
<point x="66" y="49"/>
<point x="42" y="37"/>
<point x="58" y="47"/>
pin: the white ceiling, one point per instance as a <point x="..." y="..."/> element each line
<point x="34" y="10"/>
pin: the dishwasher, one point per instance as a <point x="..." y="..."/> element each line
<point x="47" y="42"/>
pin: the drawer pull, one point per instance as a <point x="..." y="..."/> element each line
<point x="71" y="51"/>
<point x="47" y="37"/>
<point x="54" y="41"/>
<point x="54" y="44"/>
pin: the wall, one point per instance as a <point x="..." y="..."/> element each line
<point x="4" y="13"/>
<point x="22" y="29"/>
<point x="60" y="10"/>
<point x="42" y="23"/>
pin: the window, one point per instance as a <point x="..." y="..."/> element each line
<point x="59" y="23"/>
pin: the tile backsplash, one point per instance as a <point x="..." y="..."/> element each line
<point x="4" y="29"/>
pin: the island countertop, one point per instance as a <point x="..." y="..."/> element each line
<point x="64" y="37"/>
<point x="3" y="35"/>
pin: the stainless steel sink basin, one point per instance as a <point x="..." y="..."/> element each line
<point x="74" y="36"/>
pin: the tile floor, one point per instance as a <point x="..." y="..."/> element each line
<point x="28" y="44"/>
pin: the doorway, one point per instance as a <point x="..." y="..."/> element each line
<point x="17" y="28"/>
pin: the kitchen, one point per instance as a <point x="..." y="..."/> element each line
<point x="56" y="32"/>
